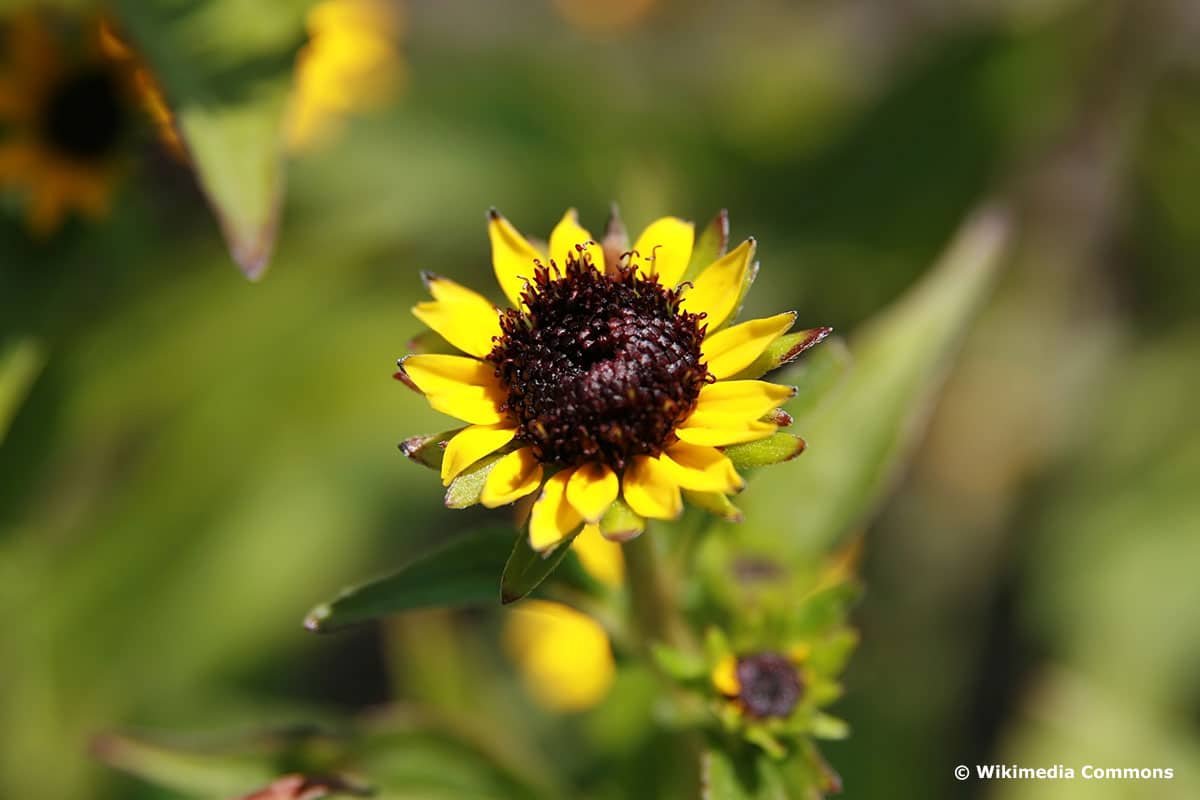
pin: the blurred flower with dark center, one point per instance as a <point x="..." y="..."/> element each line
<point x="67" y="115"/>
<point x="765" y="684"/>
<point x="349" y="65"/>
<point x="610" y="385"/>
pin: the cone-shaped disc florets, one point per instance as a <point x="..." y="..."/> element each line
<point x="598" y="367"/>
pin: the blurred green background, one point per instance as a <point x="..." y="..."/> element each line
<point x="199" y="459"/>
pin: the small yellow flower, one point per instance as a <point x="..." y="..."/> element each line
<point x="66" y="116"/>
<point x="609" y="381"/>
<point x="564" y="655"/>
<point x="350" y="64"/>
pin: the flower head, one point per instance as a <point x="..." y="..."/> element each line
<point x="610" y="386"/>
<point x="67" y="116"/>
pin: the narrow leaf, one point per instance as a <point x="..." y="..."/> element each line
<point x="463" y="572"/>
<point x="783" y="350"/>
<point x="774" y="449"/>
<point x="20" y="363"/>
<point x="527" y="568"/>
<point x="711" y="244"/>
<point x="227" y="84"/>
<point x="620" y="523"/>
<point x="465" y="490"/>
<point x="428" y="449"/>
<point x="859" y="439"/>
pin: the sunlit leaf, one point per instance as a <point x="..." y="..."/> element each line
<point x="20" y="362"/>
<point x="527" y="568"/>
<point x="857" y="438"/>
<point x="463" y="572"/>
<point x="227" y="84"/>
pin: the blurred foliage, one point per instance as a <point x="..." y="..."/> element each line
<point x="196" y="461"/>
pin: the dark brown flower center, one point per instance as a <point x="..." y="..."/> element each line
<point x="83" y="116"/>
<point x="770" y="684"/>
<point x="598" y="367"/>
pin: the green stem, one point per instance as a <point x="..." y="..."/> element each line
<point x="655" y="611"/>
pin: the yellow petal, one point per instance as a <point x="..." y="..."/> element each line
<point x="731" y="404"/>
<point x="563" y="654"/>
<point x="434" y="373"/>
<point x="512" y="256"/>
<point x="664" y="249"/>
<point x="649" y="489"/>
<point x="460" y="316"/>
<point x="553" y="518"/>
<point x="514" y="476"/>
<point x="718" y="288"/>
<point x="566" y="235"/>
<point x="724" y="677"/>
<point x="731" y="350"/>
<point x="723" y="436"/>
<point x="592" y="489"/>
<point x="471" y="444"/>
<point x="701" y="468"/>
<point x="479" y="405"/>
<point x="601" y="558"/>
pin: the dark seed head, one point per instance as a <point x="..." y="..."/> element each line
<point x="83" y="115"/>
<point x="598" y="367"/>
<point x="770" y="684"/>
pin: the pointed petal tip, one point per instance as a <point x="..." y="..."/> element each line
<point x="494" y="214"/>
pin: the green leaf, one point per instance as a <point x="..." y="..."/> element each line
<point x="191" y="771"/>
<point x="463" y="572"/>
<point x="20" y="363"/>
<point x="227" y="83"/>
<point x="715" y="503"/>
<point x="620" y="523"/>
<point x="465" y="490"/>
<point x="527" y="568"/>
<point x="428" y="449"/>
<point x="774" y="449"/>
<point x="783" y="350"/>
<point x="711" y="244"/>
<point x="679" y="664"/>
<point x="746" y="776"/>
<point x="859" y="439"/>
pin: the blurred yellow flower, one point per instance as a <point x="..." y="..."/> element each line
<point x="350" y="64"/>
<point x="609" y="385"/>
<point x="564" y="655"/>
<point x="66" y="115"/>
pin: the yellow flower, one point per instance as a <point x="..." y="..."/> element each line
<point x="564" y="655"/>
<point x="350" y="64"/>
<point x="66" y="117"/>
<point x="609" y="386"/>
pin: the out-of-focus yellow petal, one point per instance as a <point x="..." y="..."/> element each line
<point x="650" y="490"/>
<point x="512" y="256"/>
<point x="513" y="476"/>
<point x="460" y="316"/>
<point x="563" y="654"/>
<point x="664" y="249"/>
<point x="724" y="677"/>
<point x="731" y="350"/>
<point x="718" y="288"/>
<point x="471" y="444"/>
<point x="592" y="489"/>
<point x="553" y="518"/>
<point x="729" y="404"/>
<point x="600" y="557"/>
<point x="701" y="468"/>
<point x="752" y="431"/>
<point x="567" y="234"/>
